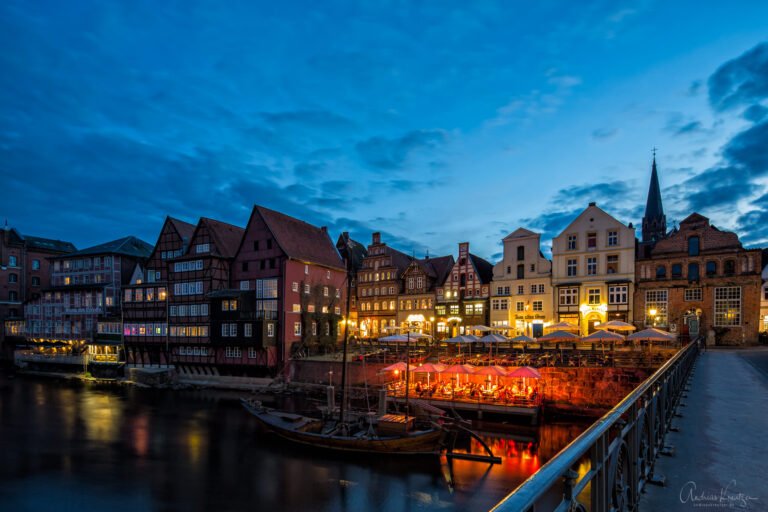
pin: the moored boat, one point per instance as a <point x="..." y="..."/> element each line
<point x="361" y="437"/>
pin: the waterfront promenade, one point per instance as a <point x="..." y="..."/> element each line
<point x="721" y="454"/>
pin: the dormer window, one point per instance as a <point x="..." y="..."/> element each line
<point x="202" y="248"/>
<point x="693" y="246"/>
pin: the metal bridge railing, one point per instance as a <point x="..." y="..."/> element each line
<point x="621" y="448"/>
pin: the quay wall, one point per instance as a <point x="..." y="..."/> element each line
<point x="561" y="388"/>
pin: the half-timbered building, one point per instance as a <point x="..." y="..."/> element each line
<point x="462" y="299"/>
<point x="202" y="269"/>
<point x="379" y="284"/>
<point x="416" y="311"/>
<point x="145" y="299"/>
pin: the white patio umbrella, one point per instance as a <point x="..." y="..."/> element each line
<point x="491" y="339"/>
<point x="617" y="325"/>
<point x="651" y="334"/>
<point x="602" y="337"/>
<point x="562" y="326"/>
<point x="559" y="336"/>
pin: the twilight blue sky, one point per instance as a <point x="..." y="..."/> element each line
<point x="433" y="122"/>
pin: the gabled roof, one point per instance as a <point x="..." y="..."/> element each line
<point x="352" y="250"/>
<point x="185" y="229"/>
<point x="441" y="267"/>
<point x="400" y="260"/>
<point x="484" y="268"/>
<point x="126" y="246"/>
<point x="694" y="218"/>
<point x="591" y="208"/>
<point x="226" y="237"/>
<point x="520" y="233"/>
<point x="300" y="240"/>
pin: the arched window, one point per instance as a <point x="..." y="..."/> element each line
<point x="661" y="272"/>
<point x="677" y="270"/>
<point x="693" y="246"/>
<point x="729" y="267"/>
<point x="711" y="268"/>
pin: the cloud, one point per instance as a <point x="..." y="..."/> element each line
<point x="537" y="102"/>
<point x="678" y="124"/>
<point x="593" y="192"/>
<point x="755" y="113"/>
<point x="717" y="187"/>
<point x="604" y="133"/>
<point x="747" y="150"/>
<point x="392" y="153"/>
<point x="695" y="88"/>
<point x="740" y="81"/>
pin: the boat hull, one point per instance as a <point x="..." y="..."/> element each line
<point x="299" y="430"/>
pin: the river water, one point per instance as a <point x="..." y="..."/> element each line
<point x="68" y="446"/>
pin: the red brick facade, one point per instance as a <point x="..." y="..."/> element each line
<point x="700" y="279"/>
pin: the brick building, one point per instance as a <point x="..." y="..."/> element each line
<point x="379" y="284"/>
<point x="699" y="278"/>
<point x="463" y="298"/>
<point x="85" y="289"/>
<point x="299" y="288"/>
<point x="24" y="273"/>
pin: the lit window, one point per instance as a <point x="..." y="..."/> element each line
<point x="728" y="306"/>
<point x="593" y="296"/>
<point x="693" y="294"/>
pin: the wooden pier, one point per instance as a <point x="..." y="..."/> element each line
<point x="531" y="412"/>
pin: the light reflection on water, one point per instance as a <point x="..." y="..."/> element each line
<point x="137" y="449"/>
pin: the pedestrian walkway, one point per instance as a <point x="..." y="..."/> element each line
<point x="721" y="450"/>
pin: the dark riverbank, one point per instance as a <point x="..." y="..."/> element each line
<point x="74" y="445"/>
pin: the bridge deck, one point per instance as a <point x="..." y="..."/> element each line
<point x="721" y="453"/>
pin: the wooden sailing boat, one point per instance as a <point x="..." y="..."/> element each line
<point x="392" y="434"/>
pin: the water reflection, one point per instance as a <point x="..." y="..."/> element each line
<point x="135" y="449"/>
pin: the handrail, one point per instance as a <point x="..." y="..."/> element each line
<point x="539" y="486"/>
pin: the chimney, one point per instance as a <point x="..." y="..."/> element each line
<point x="324" y="229"/>
<point x="377" y="238"/>
<point x="593" y="203"/>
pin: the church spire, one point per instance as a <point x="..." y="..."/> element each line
<point x="654" y="221"/>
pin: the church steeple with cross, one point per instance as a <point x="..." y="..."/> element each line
<point x="654" y="221"/>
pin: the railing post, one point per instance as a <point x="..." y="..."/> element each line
<point x="600" y="480"/>
<point x="633" y="443"/>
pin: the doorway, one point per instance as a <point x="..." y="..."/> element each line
<point x="592" y="322"/>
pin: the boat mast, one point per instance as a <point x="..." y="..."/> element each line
<point x="407" y="373"/>
<point x="346" y="340"/>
